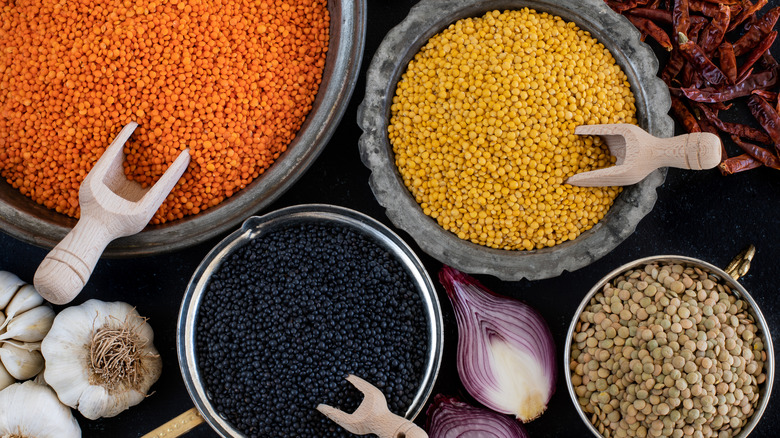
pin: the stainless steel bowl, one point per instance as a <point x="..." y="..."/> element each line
<point x="401" y="44"/>
<point x="313" y="213"/>
<point x="736" y="288"/>
<point x="30" y="222"/>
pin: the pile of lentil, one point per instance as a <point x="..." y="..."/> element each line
<point x="288" y="316"/>
<point x="667" y="350"/>
<point x="231" y="80"/>
<point x="482" y="126"/>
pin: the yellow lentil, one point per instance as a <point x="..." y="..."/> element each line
<point x="482" y="127"/>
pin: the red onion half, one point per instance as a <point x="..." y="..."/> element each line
<point x="506" y="354"/>
<point x="449" y="417"/>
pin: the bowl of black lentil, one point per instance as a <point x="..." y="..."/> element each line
<point x="468" y="121"/>
<point x="669" y="346"/>
<point x="282" y="310"/>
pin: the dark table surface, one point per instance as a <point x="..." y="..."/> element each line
<point x="698" y="214"/>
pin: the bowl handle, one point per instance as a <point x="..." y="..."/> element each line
<point x="178" y="426"/>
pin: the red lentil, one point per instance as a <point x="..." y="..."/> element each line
<point x="231" y="80"/>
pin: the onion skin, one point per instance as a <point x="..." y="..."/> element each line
<point x="449" y="417"/>
<point x="506" y="353"/>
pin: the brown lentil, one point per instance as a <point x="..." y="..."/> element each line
<point x="482" y="126"/>
<point x="230" y="80"/>
<point x="683" y="369"/>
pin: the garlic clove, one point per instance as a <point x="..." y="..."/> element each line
<point x="20" y="363"/>
<point x="66" y="353"/>
<point x="9" y="284"/>
<point x="96" y="402"/>
<point x="25" y="299"/>
<point x="6" y="379"/>
<point x="30" y="326"/>
<point x="32" y="410"/>
<point x="28" y="346"/>
<point x="2" y="320"/>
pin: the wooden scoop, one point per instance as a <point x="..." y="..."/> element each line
<point x="111" y="206"/>
<point x="372" y="416"/>
<point x="639" y="153"/>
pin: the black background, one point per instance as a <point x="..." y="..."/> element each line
<point x="698" y="214"/>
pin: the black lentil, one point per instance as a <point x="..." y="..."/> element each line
<point x="289" y="315"/>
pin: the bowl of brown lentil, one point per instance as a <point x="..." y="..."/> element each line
<point x="255" y="91"/>
<point x="669" y="346"/>
<point x="468" y="125"/>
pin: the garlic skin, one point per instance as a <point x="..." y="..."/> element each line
<point x="9" y="284"/>
<point x="69" y="359"/>
<point x="6" y="379"/>
<point x="25" y="318"/>
<point x="19" y="362"/>
<point x="30" y="326"/>
<point x="32" y="410"/>
<point x="26" y="298"/>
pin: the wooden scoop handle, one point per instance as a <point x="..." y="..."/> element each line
<point x="67" y="267"/>
<point x="695" y="151"/>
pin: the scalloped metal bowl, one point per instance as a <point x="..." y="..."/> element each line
<point x="766" y="388"/>
<point x="28" y="221"/>
<point x="399" y="47"/>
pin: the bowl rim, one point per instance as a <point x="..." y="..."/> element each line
<point x="429" y="17"/>
<point x="258" y="225"/>
<point x="736" y="288"/>
<point x="42" y="227"/>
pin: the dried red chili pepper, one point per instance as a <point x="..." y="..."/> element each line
<point x="769" y="96"/>
<point x="757" y="81"/>
<point x="700" y="61"/>
<point x="757" y="53"/>
<point x="704" y="7"/>
<point x="681" y="17"/>
<point x="757" y="31"/>
<point x="740" y="163"/>
<point x="767" y="117"/>
<point x="684" y="115"/>
<point x="652" y="30"/>
<point x="728" y="62"/>
<point x="746" y="13"/>
<point x="673" y="67"/>
<point x="623" y="6"/>
<point x="766" y="157"/>
<point x="715" y="31"/>
<point x="657" y="15"/>
<point x="744" y="131"/>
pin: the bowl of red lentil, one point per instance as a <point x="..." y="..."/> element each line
<point x="669" y="346"/>
<point x="254" y="89"/>
<point x="468" y="123"/>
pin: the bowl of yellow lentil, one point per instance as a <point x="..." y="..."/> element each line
<point x="669" y="346"/>
<point x="255" y="90"/>
<point x="468" y="130"/>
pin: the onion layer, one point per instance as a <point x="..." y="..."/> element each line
<point x="506" y="354"/>
<point x="449" y="417"/>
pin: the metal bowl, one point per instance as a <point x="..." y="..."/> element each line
<point x="313" y="213"/>
<point x="401" y="44"/>
<point x="736" y="288"/>
<point x="30" y="222"/>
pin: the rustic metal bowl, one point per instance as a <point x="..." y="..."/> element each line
<point x="736" y="288"/>
<point x="28" y="221"/>
<point x="401" y="44"/>
<point x="314" y="213"/>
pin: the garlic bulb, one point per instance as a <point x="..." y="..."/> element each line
<point x="100" y="358"/>
<point x="32" y="410"/>
<point x="25" y="318"/>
